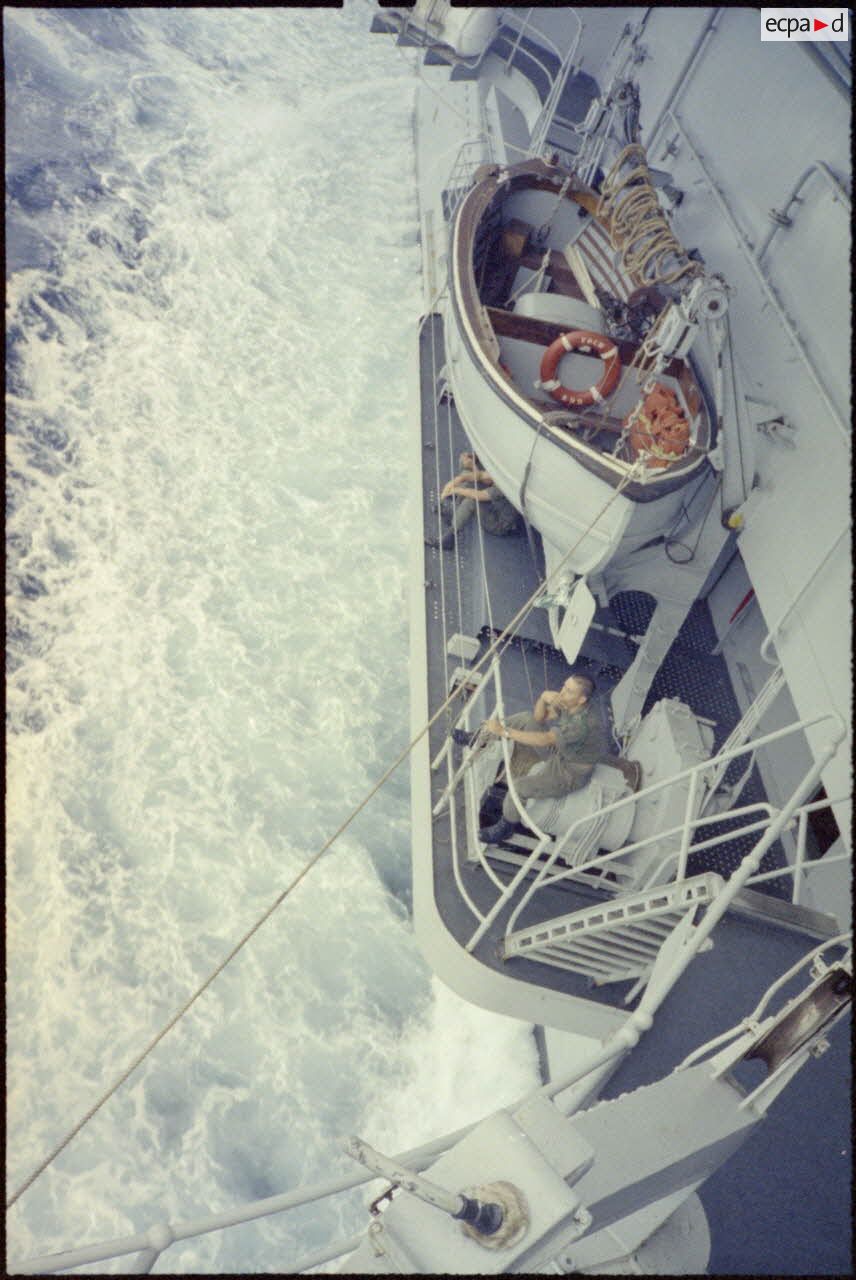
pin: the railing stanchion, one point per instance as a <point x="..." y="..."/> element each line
<point x="516" y="45"/>
<point x="143" y="1263"/>
<point x="802" y="827"/>
<point x="688" y="826"/>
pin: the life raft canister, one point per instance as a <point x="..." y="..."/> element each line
<point x="658" y="428"/>
<point x="587" y="343"/>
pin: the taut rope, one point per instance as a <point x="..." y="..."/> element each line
<point x="489" y="654"/>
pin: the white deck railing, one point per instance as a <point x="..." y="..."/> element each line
<point x="556" y="80"/>
<point x="152" y="1243"/>
<point x="671" y="962"/>
<point x="470" y="155"/>
<point x="538" y="865"/>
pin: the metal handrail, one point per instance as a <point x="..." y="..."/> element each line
<point x="761" y="276"/>
<point x="508" y="892"/>
<point x="510" y="16"/>
<point x="456" y="868"/>
<point x="736" y="882"/>
<point x="445" y="751"/>
<point x="657" y="876"/>
<point x="839" y="192"/>
<point x="585" y="868"/>
<point x="521" y="27"/>
<point x="506" y="757"/>
<point x="687" y="939"/>
<point x="772" y="812"/>
<point x="461" y="174"/>
<point x="800" y="863"/>
<point x="427" y="40"/>
<point x="160" y="1237"/>
<point x="749" y="721"/>
<point x="775" y="631"/>
<point x="602" y="860"/>
<point x="551" y="102"/>
<point x="791" y="870"/>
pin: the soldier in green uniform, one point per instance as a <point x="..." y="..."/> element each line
<point x="564" y="735"/>
<point x="459" y="497"/>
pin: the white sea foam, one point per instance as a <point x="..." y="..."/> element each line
<point x="460" y="1062"/>
<point x="207" y="638"/>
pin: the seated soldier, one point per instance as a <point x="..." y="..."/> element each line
<point x="564" y="735"/>
<point x="458" y="503"/>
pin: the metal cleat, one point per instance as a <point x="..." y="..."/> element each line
<point x="778" y="431"/>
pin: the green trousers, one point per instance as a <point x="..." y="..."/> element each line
<point x="537" y="771"/>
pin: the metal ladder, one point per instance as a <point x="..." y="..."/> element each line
<point x="614" y="942"/>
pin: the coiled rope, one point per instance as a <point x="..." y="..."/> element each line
<point x="503" y="639"/>
<point x="649" y="249"/>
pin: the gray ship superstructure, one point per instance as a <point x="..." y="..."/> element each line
<point x="655" y="179"/>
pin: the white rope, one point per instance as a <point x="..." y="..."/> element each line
<point x="533" y="283"/>
<point x="545" y="226"/>
<point x="526" y="608"/>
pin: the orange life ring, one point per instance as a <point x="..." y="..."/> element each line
<point x="589" y="344"/>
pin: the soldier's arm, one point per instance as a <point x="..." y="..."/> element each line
<point x="545" y="707"/>
<point x="526" y="737"/>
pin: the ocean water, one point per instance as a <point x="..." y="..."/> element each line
<point x="212" y="282"/>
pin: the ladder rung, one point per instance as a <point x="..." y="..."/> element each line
<point x="563" y="949"/>
<point x="598" y="965"/>
<point x="636" y="946"/>
<point x="560" y="961"/>
<point x="662" y="925"/>
<point x="607" y="949"/>
<point x="602" y="968"/>
<point x="624" y="959"/>
<point x="656" y="928"/>
<point x="590" y="946"/>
